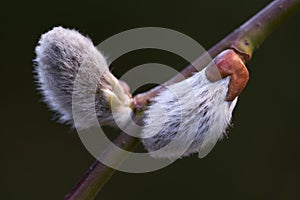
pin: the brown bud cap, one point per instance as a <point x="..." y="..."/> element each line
<point x="229" y="63"/>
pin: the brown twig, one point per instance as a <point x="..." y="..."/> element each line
<point x="244" y="40"/>
<point x="97" y="175"/>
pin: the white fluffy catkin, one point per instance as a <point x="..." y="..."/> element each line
<point x="188" y="117"/>
<point x="60" y="55"/>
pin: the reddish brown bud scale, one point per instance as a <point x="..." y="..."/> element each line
<point x="229" y="63"/>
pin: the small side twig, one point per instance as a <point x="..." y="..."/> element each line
<point x="243" y="40"/>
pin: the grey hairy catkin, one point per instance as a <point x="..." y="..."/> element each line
<point x="188" y="117"/>
<point x="63" y="56"/>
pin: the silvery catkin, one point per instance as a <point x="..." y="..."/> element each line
<point x="192" y="115"/>
<point x="63" y="56"/>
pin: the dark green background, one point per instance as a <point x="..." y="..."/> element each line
<point x="41" y="159"/>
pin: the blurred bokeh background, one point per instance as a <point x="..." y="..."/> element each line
<point x="41" y="159"/>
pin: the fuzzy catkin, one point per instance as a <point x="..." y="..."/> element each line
<point x="188" y="117"/>
<point x="63" y="56"/>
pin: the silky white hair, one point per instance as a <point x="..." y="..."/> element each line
<point x="188" y="117"/>
<point x="63" y="56"/>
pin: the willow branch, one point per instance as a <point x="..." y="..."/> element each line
<point x="98" y="174"/>
<point x="244" y="40"/>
